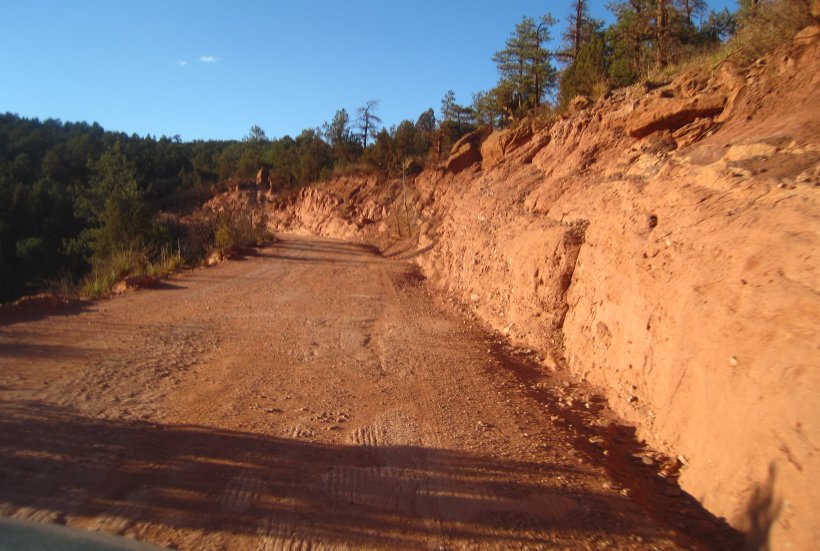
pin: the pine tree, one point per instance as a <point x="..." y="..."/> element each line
<point x="525" y="65"/>
<point x="579" y="31"/>
<point x="116" y="205"/>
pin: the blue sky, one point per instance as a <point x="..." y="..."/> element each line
<point x="207" y="69"/>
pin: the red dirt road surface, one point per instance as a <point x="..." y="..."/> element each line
<point x="317" y="395"/>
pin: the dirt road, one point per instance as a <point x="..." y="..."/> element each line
<point x="315" y="395"/>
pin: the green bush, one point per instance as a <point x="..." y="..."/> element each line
<point x="224" y="239"/>
<point x="766" y="26"/>
<point x="166" y="264"/>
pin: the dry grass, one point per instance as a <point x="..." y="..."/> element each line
<point x="774" y="23"/>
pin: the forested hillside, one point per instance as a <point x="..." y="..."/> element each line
<point x="74" y="196"/>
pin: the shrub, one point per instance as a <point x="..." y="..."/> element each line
<point x="766" y="26"/>
<point x="224" y="239"/>
<point x="107" y="271"/>
<point x="166" y="264"/>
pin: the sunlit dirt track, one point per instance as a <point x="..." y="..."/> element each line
<point x="313" y="395"/>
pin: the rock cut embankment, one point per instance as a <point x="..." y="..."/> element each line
<point x="660" y="243"/>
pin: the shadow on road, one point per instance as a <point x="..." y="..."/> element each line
<point x="67" y="466"/>
<point x="38" y="310"/>
<point x="618" y="448"/>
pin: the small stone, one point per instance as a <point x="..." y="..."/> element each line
<point x="646" y="460"/>
<point x="733" y="361"/>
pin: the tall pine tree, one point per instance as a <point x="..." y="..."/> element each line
<point x="525" y="66"/>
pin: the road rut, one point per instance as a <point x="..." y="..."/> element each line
<point x="311" y="396"/>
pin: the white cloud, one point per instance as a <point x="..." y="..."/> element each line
<point x="182" y="62"/>
<point x="208" y="59"/>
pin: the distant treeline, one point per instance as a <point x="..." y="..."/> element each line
<point x="73" y="194"/>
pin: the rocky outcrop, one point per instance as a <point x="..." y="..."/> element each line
<point x="502" y="143"/>
<point x="467" y="151"/>
<point x="677" y="272"/>
<point x="663" y="113"/>
<point x="263" y="177"/>
<point x="579" y="103"/>
<point x="141" y="281"/>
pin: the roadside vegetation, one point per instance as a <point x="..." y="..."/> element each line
<point x="81" y="207"/>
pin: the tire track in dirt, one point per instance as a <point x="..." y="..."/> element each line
<point x="314" y="396"/>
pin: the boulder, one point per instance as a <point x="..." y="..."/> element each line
<point x="467" y="150"/>
<point x="500" y="143"/>
<point x="214" y="258"/>
<point x="692" y="132"/>
<point x="579" y="103"/>
<point x="809" y="34"/>
<point x="140" y="281"/>
<point x="664" y="113"/>
<point x="411" y="167"/>
<point x="263" y="177"/>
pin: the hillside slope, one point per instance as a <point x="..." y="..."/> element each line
<point x="661" y="244"/>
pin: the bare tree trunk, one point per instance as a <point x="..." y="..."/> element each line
<point x="662" y="34"/>
<point x="579" y="14"/>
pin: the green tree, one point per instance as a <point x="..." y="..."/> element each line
<point x="579" y="30"/>
<point x="425" y="131"/>
<point x="718" y="27"/>
<point x="491" y="108"/>
<point x="630" y="40"/>
<point x="339" y="135"/>
<point x="405" y="138"/>
<point x="314" y="158"/>
<point x="525" y="65"/>
<point x="692" y="9"/>
<point x="256" y="135"/>
<point x="455" y="115"/>
<point x="426" y="121"/>
<point x="448" y="106"/>
<point x="116" y="206"/>
<point x="587" y="75"/>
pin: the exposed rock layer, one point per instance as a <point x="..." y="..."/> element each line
<point x="677" y="271"/>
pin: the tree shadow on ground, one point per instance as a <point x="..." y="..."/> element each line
<point x="37" y="310"/>
<point x="59" y="466"/>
